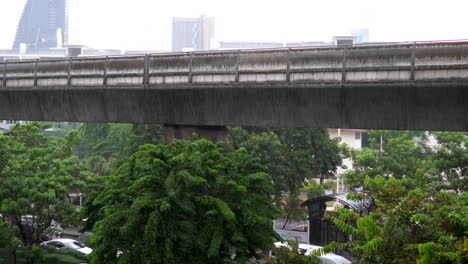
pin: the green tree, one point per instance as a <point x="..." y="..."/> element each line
<point x="145" y="134"/>
<point x="291" y="155"/>
<point x="36" y="174"/>
<point x="409" y="226"/>
<point x="391" y="154"/>
<point x="313" y="189"/>
<point x="116" y="141"/>
<point x="105" y="140"/>
<point x="311" y="152"/>
<point x="187" y="202"/>
<point x="270" y="152"/>
<point x="293" y="209"/>
<point x="8" y="239"/>
<point x="451" y="161"/>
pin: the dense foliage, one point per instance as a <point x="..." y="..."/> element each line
<point x="187" y="202"/>
<point x="291" y="155"/>
<point x="451" y="161"/>
<point x="37" y="173"/>
<point x="390" y="154"/>
<point x="442" y="164"/>
<point x="419" y="190"/>
<point x="115" y="141"/>
<point x="409" y="226"/>
<point x="314" y="189"/>
<point x="200" y="202"/>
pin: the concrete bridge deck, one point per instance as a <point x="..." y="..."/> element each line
<point x="419" y="86"/>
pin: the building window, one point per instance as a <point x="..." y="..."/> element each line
<point x="357" y="135"/>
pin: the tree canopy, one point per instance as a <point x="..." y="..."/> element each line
<point x="409" y="225"/>
<point x="291" y="155"/>
<point x="187" y="202"/>
<point x="451" y="161"/>
<point x="419" y="189"/>
<point x="201" y="202"/>
<point x="37" y="172"/>
<point x="115" y="141"/>
<point x="442" y="164"/>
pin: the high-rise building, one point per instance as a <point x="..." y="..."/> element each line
<point x="43" y="25"/>
<point x="192" y="33"/>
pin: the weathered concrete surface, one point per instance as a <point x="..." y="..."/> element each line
<point x="406" y="86"/>
<point x="377" y="106"/>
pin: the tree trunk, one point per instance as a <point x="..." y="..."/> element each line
<point x="286" y="222"/>
<point x="23" y="233"/>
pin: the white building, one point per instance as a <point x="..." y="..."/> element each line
<point x="5" y="125"/>
<point x="355" y="139"/>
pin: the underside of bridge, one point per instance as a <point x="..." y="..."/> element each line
<point x="413" y="106"/>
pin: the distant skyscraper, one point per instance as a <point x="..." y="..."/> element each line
<point x="192" y="33"/>
<point x="43" y="25"/>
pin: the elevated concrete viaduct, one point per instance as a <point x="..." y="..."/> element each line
<point x="416" y="86"/>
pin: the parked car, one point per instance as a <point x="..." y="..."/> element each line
<point x="329" y="258"/>
<point x="68" y="243"/>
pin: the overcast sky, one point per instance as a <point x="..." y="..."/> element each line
<point x="146" y="24"/>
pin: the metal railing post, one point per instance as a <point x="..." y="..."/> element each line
<point x="237" y="65"/>
<point x="4" y="73"/>
<point x="35" y="72"/>
<point x="190" y="67"/>
<point x="106" y="64"/>
<point x="69" y="71"/>
<point x="146" y="71"/>
<point x="288" y="67"/>
<point x="413" y="58"/>
<point x="343" y="68"/>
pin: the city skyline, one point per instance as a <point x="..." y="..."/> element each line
<point x="43" y="25"/>
<point x="147" y="25"/>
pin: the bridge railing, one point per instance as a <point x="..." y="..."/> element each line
<point x="326" y="65"/>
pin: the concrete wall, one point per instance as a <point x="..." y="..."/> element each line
<point x="420" y="86"/>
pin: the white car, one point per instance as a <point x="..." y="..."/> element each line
<point x="68" y="243"/>
<point x="329" y="258"/>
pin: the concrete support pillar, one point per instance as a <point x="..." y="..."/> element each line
<point x="211" y="133"/>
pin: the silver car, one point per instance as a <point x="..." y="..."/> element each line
<point x="68" y="243"/>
